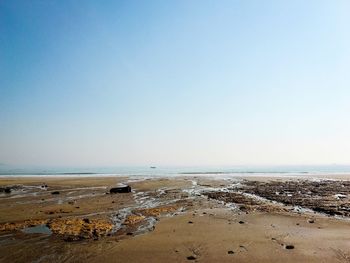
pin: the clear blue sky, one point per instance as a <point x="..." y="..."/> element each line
<point x="174" y="82"/>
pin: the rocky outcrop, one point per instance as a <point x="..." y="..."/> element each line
<point x="245" y="202"/>
<point x="133" y="219"/>
<point x="72" y="229"/>
<point x="327" y="196"/>
<point x="120" y="189"/>
<point x="9" y="188"/>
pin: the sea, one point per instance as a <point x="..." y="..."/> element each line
<point x="169" y="171"/>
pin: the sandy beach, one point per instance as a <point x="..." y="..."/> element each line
<point x="179" y="219"/>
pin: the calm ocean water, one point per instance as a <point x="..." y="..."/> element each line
<point x="173" y="171"/>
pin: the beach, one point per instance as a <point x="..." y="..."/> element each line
<point x="201" y="218"/>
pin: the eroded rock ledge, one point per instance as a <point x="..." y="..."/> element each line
<point x="331" y="197"/>
<point x="70" y="229"/>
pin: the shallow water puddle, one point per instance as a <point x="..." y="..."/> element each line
<point x="39" y="229"/>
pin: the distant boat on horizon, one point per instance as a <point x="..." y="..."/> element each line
<point x="153" y="167"/>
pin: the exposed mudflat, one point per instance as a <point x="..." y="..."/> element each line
<point x="178" y="219"/>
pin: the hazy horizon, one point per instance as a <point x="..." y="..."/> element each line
<point x="182" y="83"/>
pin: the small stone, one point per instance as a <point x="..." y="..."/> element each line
<point x="241" y="222"/>
<point x="55" y="193"/>
<point x="311" y="221"/>
<point x="289" y="247"/>
<point x="230" y="252"/>
<point x="190" y="222"/>
<point x="191" y="258"/>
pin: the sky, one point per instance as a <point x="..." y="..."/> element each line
<point x="100" y="83"/>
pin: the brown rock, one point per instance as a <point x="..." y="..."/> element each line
<point x="76" y="228"/>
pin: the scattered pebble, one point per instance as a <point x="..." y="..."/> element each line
<point x="241" y="222"/>
<point x="190" y="222"/>
<point x="191" y="258"/>
<point x="230" y="252"/>
<point x="311" y="221"/>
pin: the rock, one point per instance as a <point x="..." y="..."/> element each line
<point x="241" y="222"/>
<point x="311" y="221"/>
<point x="10" y="188"/>
<point x="72" y="229"/>
<point x="190" y="222"/>
<point x="120" y="189"/>
<point x="191" y="258"/>
<point x="55" y="193"/>
<point x="133" y="219"/>
<point x="289" y="247"/>
<point x="230" y="252"/>
<point x="327" y="196"/>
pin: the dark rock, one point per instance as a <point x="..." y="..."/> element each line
<point x="120" y="189"/>
<point x="230" y="252"/>
<point x="311" y="221"/>
<point x="86" y="220"/>
<point x="289" y="247"/>
<point x="55" y="193"/>
<point x="241" y="222"/>
<point x="191" y="258"/>
<point x="9" y="189"/>
<point x="190" y="222"/>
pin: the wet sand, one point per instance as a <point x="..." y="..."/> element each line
<point x="180" y="219"/>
